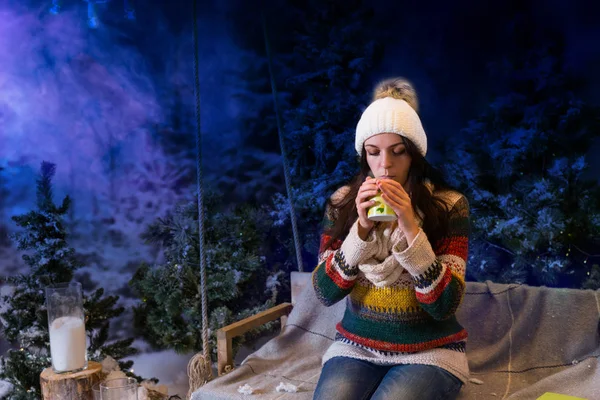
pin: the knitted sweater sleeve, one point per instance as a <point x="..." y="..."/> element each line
<point x="337" y="268"/>
<point x="439" y="273"/>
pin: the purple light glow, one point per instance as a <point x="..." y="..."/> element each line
<point x="70" y="96"/>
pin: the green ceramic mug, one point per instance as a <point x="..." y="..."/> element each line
<point x="381" y="211"/>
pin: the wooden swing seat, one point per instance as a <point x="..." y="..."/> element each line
<point x="523" y="342"/>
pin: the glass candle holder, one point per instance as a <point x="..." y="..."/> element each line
<point x="96" y="391"/>
<point x="119" y="389"/>
<point x="66" y="326"/>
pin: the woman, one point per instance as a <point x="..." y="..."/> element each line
<point x="403" y="280"/>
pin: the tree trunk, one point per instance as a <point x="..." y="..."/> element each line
<point x="71" y="386"/>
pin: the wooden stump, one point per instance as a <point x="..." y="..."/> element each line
<point x="71" y="386"/>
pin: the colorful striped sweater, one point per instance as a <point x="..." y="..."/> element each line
<point x="410" y="317"/>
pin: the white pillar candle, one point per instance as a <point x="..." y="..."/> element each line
<point x="68" y="344"/>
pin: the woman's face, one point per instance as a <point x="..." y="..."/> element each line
<point x="387" y="157"/>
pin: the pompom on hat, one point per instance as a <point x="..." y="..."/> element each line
<point x="394" y="110"/>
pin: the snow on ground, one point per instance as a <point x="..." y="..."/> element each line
<point x="5" y="388"/>
<point x="168" y="366"/>
<point x="171" y="368"/>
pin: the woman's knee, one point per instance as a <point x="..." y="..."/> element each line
<point x="346" y="378"/>
<point x="424" y="382"/>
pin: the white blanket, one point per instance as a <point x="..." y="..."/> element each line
<point x="523" y="341"/>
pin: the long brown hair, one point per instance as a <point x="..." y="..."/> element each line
<point x="435" y="210"/>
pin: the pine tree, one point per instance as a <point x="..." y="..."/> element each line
<point x="252" y="165"/>
<point x="523" y="165"/>
<point x="332" y="60"/>
<point x="175" y="135"/>
<point x="239" y="282"/>
<point x="25" y="321"/>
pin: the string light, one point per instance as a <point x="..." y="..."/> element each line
<point x="588" y="255"/>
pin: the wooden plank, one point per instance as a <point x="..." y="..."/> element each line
<point x="224" y="352"/>
<point x="227" y="333"/>
<point x="254" y="321"/>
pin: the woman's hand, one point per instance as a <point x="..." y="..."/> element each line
<point x="396" y="197"/>
<point x="367" y="190"/>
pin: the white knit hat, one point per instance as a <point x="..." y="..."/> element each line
<point x="391" y="115"/>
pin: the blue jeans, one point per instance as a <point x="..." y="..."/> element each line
<point x="351" y="379"/>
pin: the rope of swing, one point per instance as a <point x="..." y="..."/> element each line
<point x="200" y="198"/>
<point x="286" y="168"/>
<point x="200" y="366"/>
